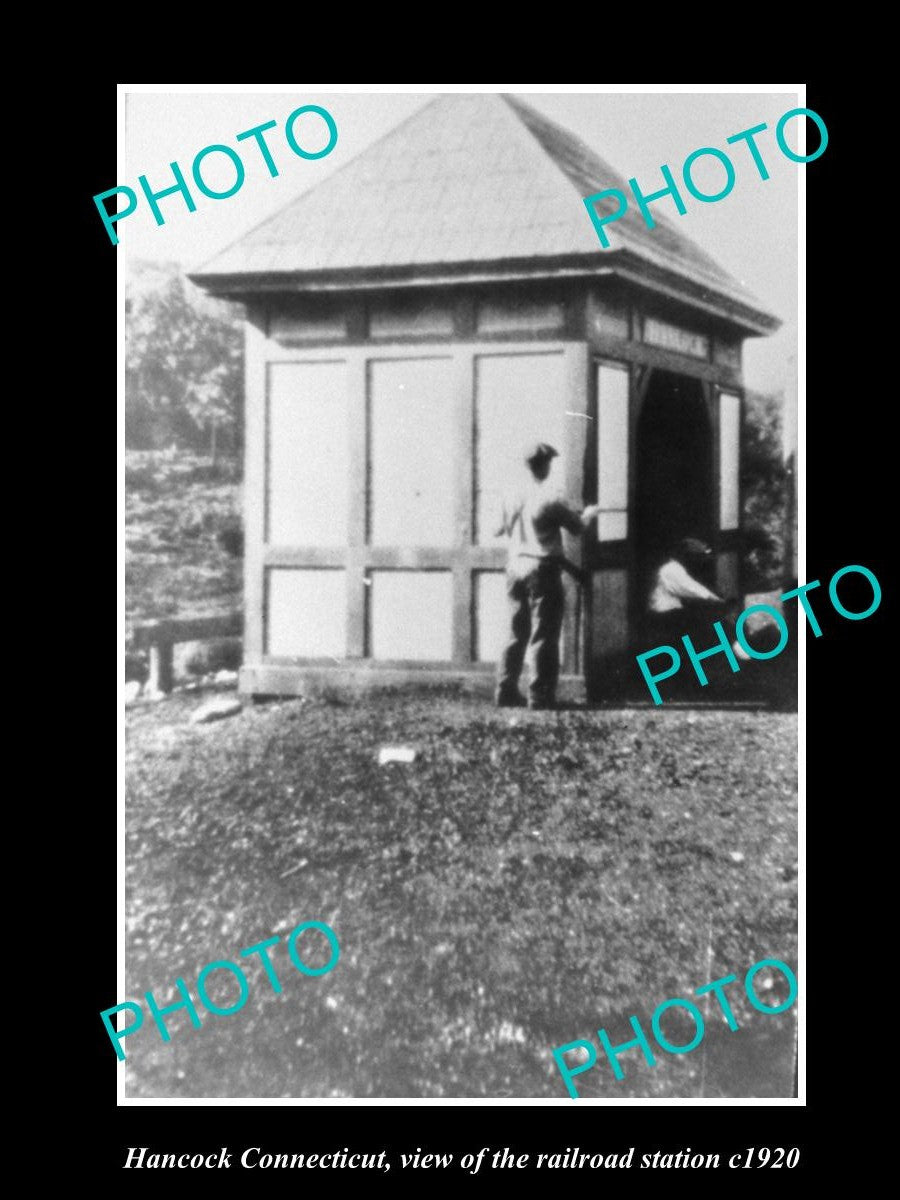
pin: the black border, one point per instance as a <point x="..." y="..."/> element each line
<point x="846" y="442"/>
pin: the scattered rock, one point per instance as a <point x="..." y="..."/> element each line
<point x="215" y="710"/>
<point x="509" y="1034"/>
<point x="579" y="1054"/>
<point x="398" y="754"/>
<point x="735" y="856"/>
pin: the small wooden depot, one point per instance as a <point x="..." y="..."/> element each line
<point x="412" y="321"/>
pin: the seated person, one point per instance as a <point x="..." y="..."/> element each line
<point x="679" y="604"/>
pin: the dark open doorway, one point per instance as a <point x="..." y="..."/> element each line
<point x="674" y="465"/>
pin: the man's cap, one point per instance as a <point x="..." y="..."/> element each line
<point x="694" y="548"/>
<point x="535" y="451"/>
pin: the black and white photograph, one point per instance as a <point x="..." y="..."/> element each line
<point x="463" y="439"/>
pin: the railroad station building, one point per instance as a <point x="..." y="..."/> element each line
<point x="412" y="322"/>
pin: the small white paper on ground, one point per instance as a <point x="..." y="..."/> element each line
<point x="399" y="754"/>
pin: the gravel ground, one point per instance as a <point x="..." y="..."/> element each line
<point x="529" y="878"/>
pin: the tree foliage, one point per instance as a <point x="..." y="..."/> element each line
<point x="183" y="364"/>
<point x="764" y="482"/>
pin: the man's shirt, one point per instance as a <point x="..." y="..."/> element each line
<point x="534" y="519"/>
<point x="673" y="585"/>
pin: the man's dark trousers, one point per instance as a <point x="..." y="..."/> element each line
<point x="536" y="606"/>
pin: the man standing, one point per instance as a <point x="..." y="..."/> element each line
<point x="533" y="521"/>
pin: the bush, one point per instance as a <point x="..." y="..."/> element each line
<point x="231" y="537"/>
<point x="137" y="666"/>
<point x="205" y="658"/>
<point x="764" y="481"/>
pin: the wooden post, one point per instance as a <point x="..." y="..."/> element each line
<point x="162" y="674"/>
<point x="578" y="443"/>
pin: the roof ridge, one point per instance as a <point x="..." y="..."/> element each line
<point x="526" y="112"/>
<point x="546" y="157"/>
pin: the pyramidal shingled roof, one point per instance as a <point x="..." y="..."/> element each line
<point x="468" y="182"/>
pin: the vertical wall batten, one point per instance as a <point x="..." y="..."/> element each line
<point x="357" y="402"/>
<point x="255" y="483"/>
<point x="578" y="439"/>
<point x="464" y="500"/>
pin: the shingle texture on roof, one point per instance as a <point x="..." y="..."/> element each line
<point x="467" y="179"/>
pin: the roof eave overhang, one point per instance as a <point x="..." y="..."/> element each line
<point x="624" y="264"/>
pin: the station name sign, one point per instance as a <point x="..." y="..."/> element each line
<point x="673" y="337"/>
